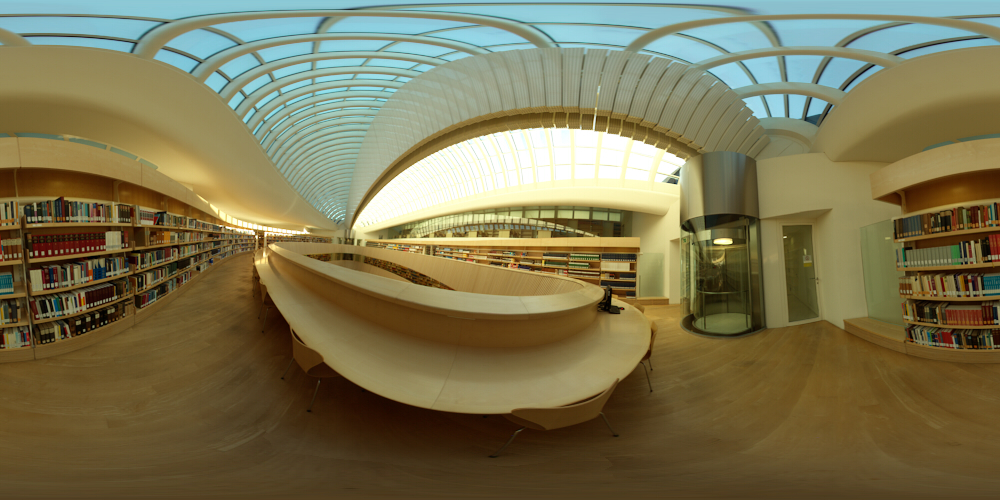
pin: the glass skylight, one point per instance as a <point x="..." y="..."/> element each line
<point x="260" y="84"/>
<point x="516" y="158"/>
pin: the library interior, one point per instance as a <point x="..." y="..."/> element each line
<point x="535" y="249"/>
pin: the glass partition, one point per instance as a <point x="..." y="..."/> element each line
<point x="651" y="275"/>
<point x="878" y="258"/>
<point x="721" y="281"/>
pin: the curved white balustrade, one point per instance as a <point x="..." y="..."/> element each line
<point x="538" y="341"/>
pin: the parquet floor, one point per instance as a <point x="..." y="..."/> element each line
<point x="189" y="404"/>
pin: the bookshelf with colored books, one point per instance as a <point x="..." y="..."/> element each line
<point x="16" y="341"/>
<point x="951" y="257"/>
<point x="80" y="214"/>
<point x="948" y="247"/>
<point x="605" y="262"/>
<point x="76" y="246"/>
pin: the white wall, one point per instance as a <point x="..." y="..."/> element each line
<point x="661" y="234"/>
<point x="836" y="196"/>
<point x="674" y="255"/>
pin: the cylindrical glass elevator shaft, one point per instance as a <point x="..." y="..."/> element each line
<point x="721" y="264"/>
<point x="721" y="284"/>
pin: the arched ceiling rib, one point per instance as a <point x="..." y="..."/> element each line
<point x="272" y="66"/>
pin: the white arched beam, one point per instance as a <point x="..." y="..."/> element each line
<point x="295" y="146"/>
<point x="337" y="190"/>
<point x="277" y="122"/>
<point x="307" y="168"/>
<point x="158" y="37"/>
<point x="332" y="162"/>
<point x="653" y="35"/>
<point x="870" y="56"/>
<point x="337" y="137"/>
<point x="295" y="127"/>
<point x="292" y="146"/>
<point x="213" y="63"/>
<point x="354" y="95"/>
<point x="237" y="84"/>
<point x="294" y="165"/>
<point x="271" y="125"/>
<point x="828" y="94"/>
<point x="333" y="183"/>
<point x="316" y="152"/>
<point x="266" y="90"/>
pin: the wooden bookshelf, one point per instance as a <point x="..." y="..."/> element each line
<point x="954" y="327"/>
<point x="57" y="258"/>
<point x="75" y="287"/>
<point x="946" y="187"/>
<point x="123" y="298"/>
<point x="15" y="325"/>
<point x="950" y="299"/>
<point x="606" y="264"/>
<point x="946" y="234"/>
<point x="949" y="268"/>
<point x="19" y="292"/>
<point x="48" y="225"/>
<point x="11" y="232"/>
<point x="39" y="186"/>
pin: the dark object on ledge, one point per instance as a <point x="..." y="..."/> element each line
<point x="605" y="304"/>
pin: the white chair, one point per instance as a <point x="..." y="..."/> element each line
<point x="646" y="357"/>
<point x="546" y="419"/>
<point x="266" y="303"/>
<point x="311" y="362"/>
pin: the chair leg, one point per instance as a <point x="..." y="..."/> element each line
<point x="613" y="433"/>
<point x="310" y="409"/>
<point x="647" y="376"/>
<point x="650" y="361"/>
<point x="289" y="367"/>
<point x="511" y="440"/>
<point x="265" y="319"/>
<point x="261" y="310"/>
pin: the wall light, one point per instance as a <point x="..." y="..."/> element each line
<point x="723" y="241"/>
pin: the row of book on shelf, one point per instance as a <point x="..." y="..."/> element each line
<point x="79" y="300"/>
<point x="55" y="245"/>
<point x="11" y="312"/>
<point x="73" y="313"/>
<point x="944" y="313"/>
<point x="950" y="285"/>
<point x="67" y="274"/>
<point x="953" y="338"/>
<point x="953" y="219"/>
<point x="9" y="213"/>
<point x="71" y="327"/>
<point x="6" y="283"/>
<point x="148" y="297"/>
<point x="64" y="211"/>
<point x="10" y="249"/>
<point x="152" y="237"/>
<point x="15" y="337"/>
<point x="979" y="251"/>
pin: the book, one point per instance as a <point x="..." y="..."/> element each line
<point x="62" y="210"/>
<point x="15" y="337"/>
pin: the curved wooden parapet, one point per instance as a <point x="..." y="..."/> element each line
<point x="459" y="275"/>
<point x="453" y="350"/>
<point x="367" y="268"/>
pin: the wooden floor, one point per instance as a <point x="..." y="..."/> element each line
<point x="189" y="403"/>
